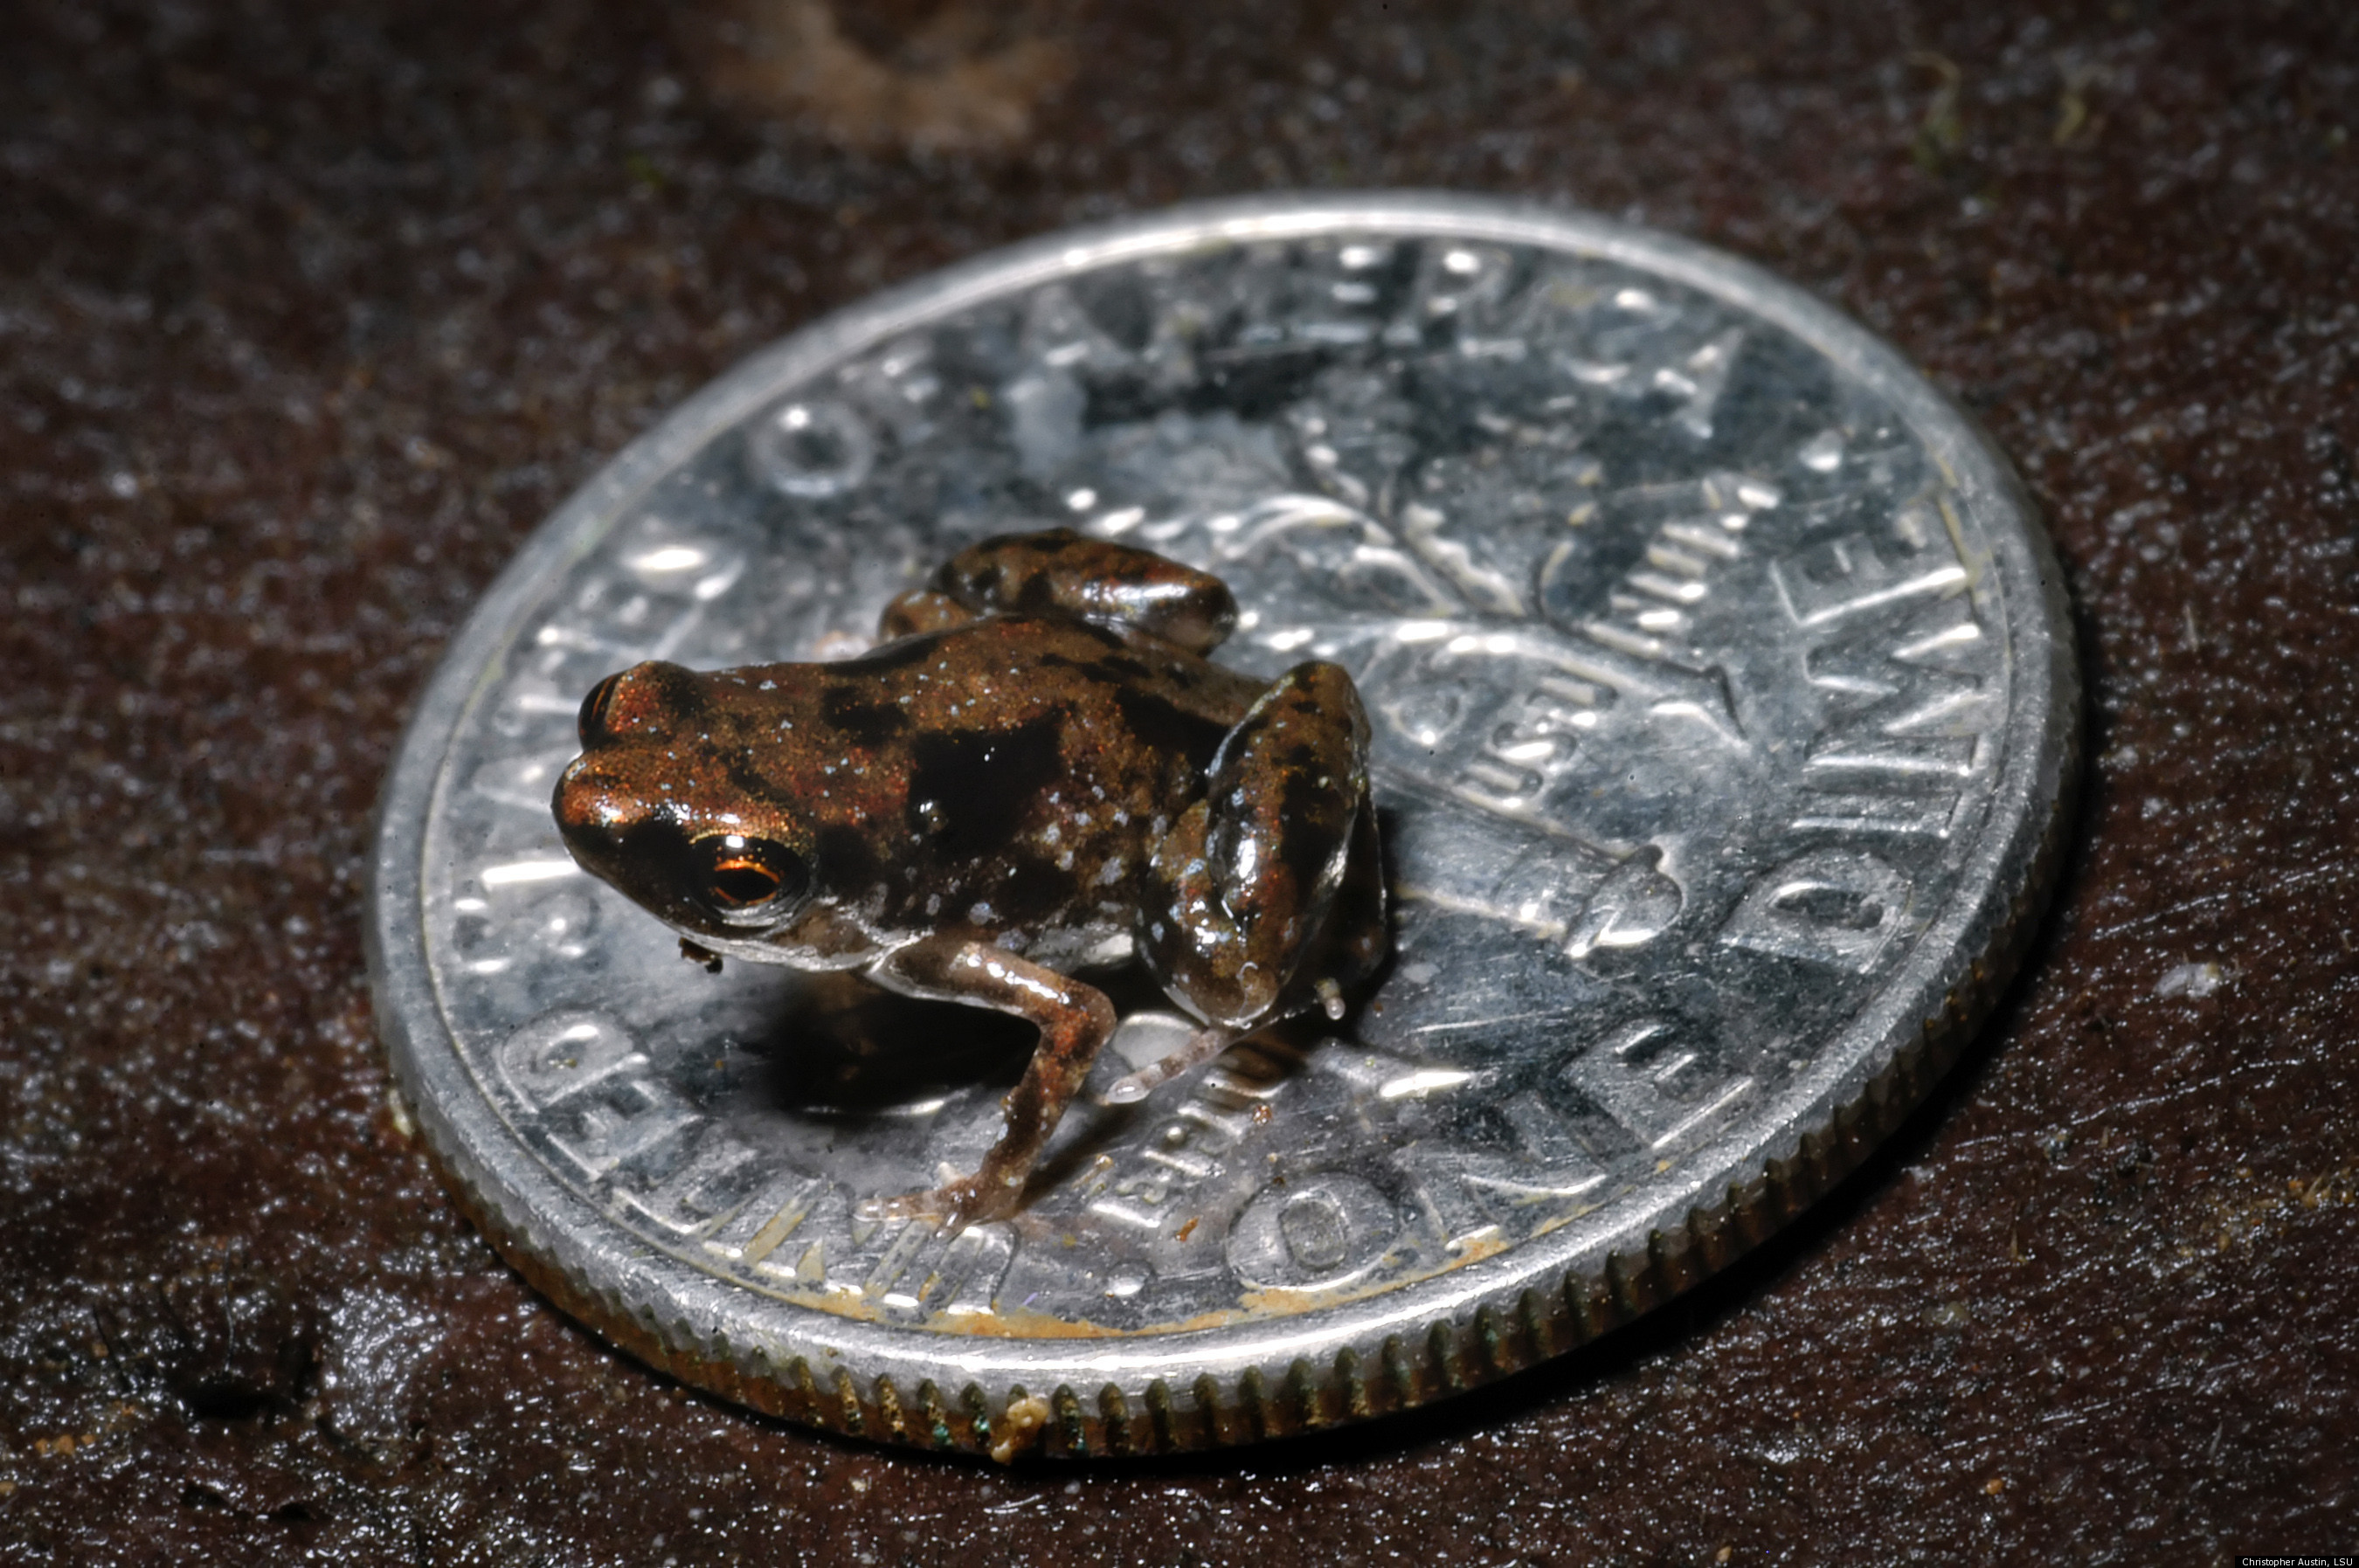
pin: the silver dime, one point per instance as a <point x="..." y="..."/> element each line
<point x="1723" y="703"/>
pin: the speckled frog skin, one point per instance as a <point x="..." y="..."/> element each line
<point x="1038" y="770"/>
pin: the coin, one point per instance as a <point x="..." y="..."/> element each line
<point x="1723" y="709"/>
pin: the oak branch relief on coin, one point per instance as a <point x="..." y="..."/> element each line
<point x="1721" y="706"/>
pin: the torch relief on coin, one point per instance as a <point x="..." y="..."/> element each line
<point x="1723" y="711"/>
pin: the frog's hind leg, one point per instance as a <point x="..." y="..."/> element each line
<point x="1057" y="571"/>
<point x="1242" y="890"/>
<point x="1358" y="935"/>
<point x="1351" y="949"/>
<point x="1074" y="1020"/>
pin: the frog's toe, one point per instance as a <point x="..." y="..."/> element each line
<point x="952" y="1206"/>
<point x="933" y="1208"/>
<point x="1331" y="999"/>
<point x="1202" y="1046"/>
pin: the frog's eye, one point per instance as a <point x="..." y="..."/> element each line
<point x="747" y="876"/>
<point x="590" y="723"/>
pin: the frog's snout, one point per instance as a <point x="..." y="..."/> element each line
<point x="593" y="810"/>
<point x="599" y="804"/>
<point x="602" y="822"/>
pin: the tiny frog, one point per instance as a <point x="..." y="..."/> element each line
<point x="1037" y="771"/>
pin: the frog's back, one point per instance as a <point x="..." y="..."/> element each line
<point x="1131" y="693"/>
<point x="1034" y="761"/>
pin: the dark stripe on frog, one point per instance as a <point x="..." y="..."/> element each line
<point x="1312" y="827"/>
<point x="749" y="781"/>
<point x="862" y="720"/>
<point x="971" y="791"/>
<point x="1036" y="597"/>
<point x="847" y="861"/>
<point x="1036" y="894"/>
<point x="1104" y="635"/>
<point x="1165" y="726"/>
<point x="1114" y="669"/>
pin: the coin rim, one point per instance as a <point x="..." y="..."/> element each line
<point x="1396" y="1350"/>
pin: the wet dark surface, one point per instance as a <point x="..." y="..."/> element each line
<point x="306" y="318"/>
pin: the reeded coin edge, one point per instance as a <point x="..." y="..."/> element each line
<point x="1495" y="1317"/>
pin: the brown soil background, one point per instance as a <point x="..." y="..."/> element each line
<point x="307" y="314"/>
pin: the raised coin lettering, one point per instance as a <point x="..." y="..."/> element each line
<point x="1836" y="907"/>
<point x="1317" y="1232"/>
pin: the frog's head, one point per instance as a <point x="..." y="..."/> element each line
<point x="658" y="806"/>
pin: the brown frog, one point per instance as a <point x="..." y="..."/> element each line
<point x="1038" y="771"/>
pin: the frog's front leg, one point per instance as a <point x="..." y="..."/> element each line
<point x="1242" y="889"/>
<point x="1074" y="1020"/>
<point x="1057" y="571"/>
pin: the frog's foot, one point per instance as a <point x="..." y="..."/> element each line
<point x="1202" y="1046"/>
<point x="952" y="1206"/>
<point x="1244" y="885"/>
